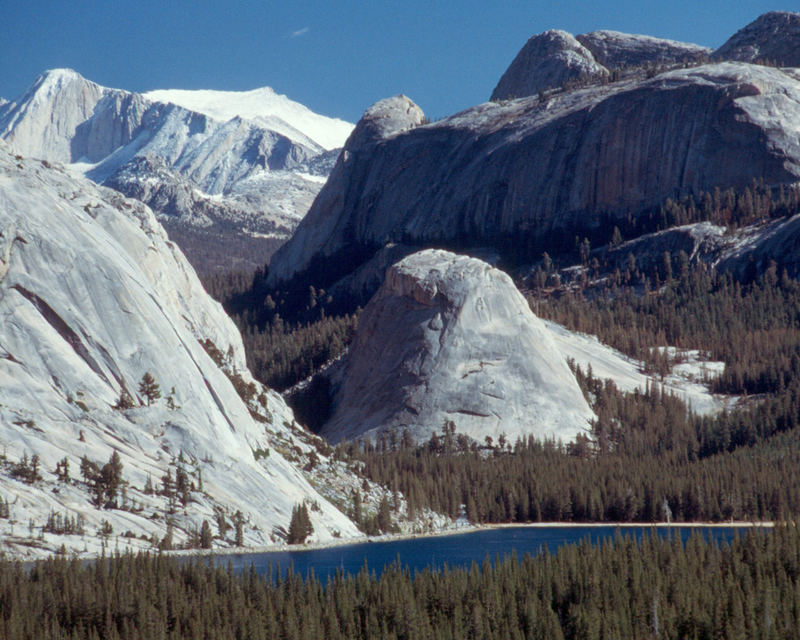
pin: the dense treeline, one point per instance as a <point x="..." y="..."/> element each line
<point x="725" y="207"/>
<point x="281" y="353"/>
<point x="221" y="249"/>
<point x="753" y="327"/>
<point x="648" y="460"/>
<point x="656" y="588"/>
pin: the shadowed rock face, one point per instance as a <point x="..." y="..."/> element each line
<point x="518" y="171"/>
<point x="547" y="60"/>
<point x="450" y="338"/>
<point x="773" y="37"/>
<point x="775" y="242"/>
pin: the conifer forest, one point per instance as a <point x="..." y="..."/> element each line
<point x="655" y="588"/>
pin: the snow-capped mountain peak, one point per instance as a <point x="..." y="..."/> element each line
<point x="251" y="162"/>
<point x="263" y="103"/>
<point x="42" y="121"/>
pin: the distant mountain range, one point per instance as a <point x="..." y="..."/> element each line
<point x="222" y="170"/>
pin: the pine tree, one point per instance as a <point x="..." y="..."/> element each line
<point x="238" y="522"/>
<point x="111" y="476"/>
<point x="125" y="401"/>
<point x="62" y="470"/>
<point x="149" y="388"/>
<point x="300" y="525"/>
<point x="384" y="515"/>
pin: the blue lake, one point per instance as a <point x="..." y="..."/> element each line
<point x="455" y="550"/>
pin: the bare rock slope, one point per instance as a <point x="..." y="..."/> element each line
<point x="449" y="338"/>
<point x="615" y="50"/>
<point x="92" y="297"/>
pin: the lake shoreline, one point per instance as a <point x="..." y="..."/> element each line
<point x="398" y="537"/>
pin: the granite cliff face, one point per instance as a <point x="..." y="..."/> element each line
<point x="449" y="338"/>
<point x="773" y="37"/>
<point x="93" y="296"/>
<point x="515" y="172"/>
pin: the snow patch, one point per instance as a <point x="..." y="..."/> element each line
<point x="688" y="380"/>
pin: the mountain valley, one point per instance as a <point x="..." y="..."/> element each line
<point x="593" y="274"/>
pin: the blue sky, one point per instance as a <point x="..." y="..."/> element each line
<point x="336" y="57"/>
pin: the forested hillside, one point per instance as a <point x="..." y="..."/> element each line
<point x="658" y="588"/>
<point x="647" y="457"/>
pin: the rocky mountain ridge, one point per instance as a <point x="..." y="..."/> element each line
<point x="510" y="175"/>
<point x="555" y="58"/>
<point x="242" y="164"/>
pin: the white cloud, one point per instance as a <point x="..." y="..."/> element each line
<point x="299" y="32"/>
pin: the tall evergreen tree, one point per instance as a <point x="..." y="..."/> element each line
<point x="300" y="526"/>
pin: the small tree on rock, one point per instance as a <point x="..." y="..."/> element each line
<point x="238" y="522"/>
<point x="149" y="388"/>
<point x="125" y="401"/>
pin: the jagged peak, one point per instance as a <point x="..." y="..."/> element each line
<point x="56" y="79"/>
<point x="62" y="73"/>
